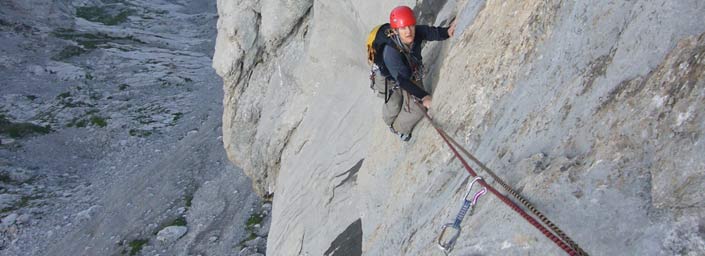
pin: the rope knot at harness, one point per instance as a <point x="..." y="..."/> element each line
<point x="468" y="206"/>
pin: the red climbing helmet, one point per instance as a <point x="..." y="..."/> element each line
<point x="402" y="16"/>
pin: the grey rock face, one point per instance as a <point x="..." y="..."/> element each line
<point x="20" y="175"/>
<point x="24" y="219"/>
<point x="259" y="244"/>
<point x="247" y="251"/>
<point x="7" y="201"/>
<point x="87" y="214"/>
<point x="593" y="111"/>
<point x="258" y="129"/>
<point x="114" y="104"/>
<point x="171" y="233"/>
<point x="280" y="17"/>
<point x="9" y="219"/>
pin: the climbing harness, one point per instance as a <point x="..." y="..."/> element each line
<point x="563" y="242"/>
<point x="467" y="208"/>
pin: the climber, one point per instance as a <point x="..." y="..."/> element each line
<point x="400" y="77"/>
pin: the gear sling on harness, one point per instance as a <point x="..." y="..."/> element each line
<point x="564" y="242"/>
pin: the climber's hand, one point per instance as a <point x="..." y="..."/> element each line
<point x="426" y="101"/>
<point x="451" y="29"/>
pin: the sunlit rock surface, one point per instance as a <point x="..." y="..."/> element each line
<point x="592" y="110"/>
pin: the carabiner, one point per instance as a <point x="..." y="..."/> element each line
<point x="446" y="247"/>
<point x="468" y="206"/>
<point x="477" y="195"/>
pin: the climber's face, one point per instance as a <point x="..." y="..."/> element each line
<point x="406" y="34"/>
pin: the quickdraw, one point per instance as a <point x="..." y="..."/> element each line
<point x="522" y="200"/>
<point x="467" y="208"/>
<point x="567" y="245"/>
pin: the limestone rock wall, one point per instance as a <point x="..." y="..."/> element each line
<point x="593" y="111"/>
<point x="257" y="55"/>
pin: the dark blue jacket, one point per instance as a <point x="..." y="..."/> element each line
<point x="398" y="66"/>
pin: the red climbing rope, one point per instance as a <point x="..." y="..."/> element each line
<point x="501" y="197"/>
<point x="556" y="230"/>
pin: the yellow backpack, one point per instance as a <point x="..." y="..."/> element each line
<point x="376" y="40"/>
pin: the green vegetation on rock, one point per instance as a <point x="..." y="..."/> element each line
<point x="90" y="41"/>
<point x="177" y="116"/>
<point x="99" y="121"/>
<point x="20" y="130"/>
<point x="68" y="52"/>
<point x="103" y="15"/>
<point x="136" y="245"/>
<point x="139" y="133"/>
<point x="63" y="95"/>
<point x="254" y="219"/>
<point x="180" y="221"/>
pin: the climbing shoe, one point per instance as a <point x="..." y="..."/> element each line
<point x="391" y="129"/>
<point x="405" y="137"/>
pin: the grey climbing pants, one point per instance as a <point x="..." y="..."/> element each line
<point x="400" y="111"/>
